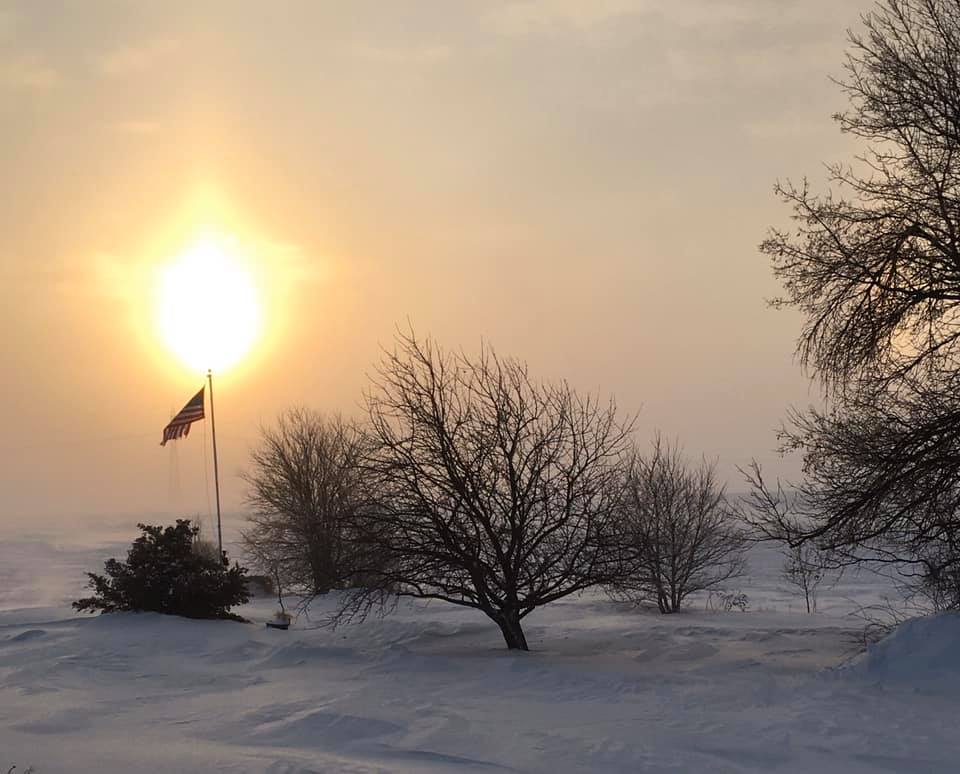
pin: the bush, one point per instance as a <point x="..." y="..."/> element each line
<point x="164" y="573"/>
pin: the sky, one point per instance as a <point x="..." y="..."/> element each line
<point x="581" y="185"/>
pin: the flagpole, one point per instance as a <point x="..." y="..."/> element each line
<point x="216" y="470"/>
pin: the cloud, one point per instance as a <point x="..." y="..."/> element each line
<point x="429" y="54"/>
<point x="133" y="127"/>
<point x="694" y="20"/>
<point x="28" y="72"/>
<point x="790" y="127"/>
<point x="525" y="16"/>
<point x="130" y="60"/>
<point x="290" y="264"/>
<point x="8" y="24"/>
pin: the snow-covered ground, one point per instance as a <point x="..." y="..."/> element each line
<point x="431" y="688"/>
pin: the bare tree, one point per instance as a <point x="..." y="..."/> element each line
<point x="874" y="267"/>
<point x="677" y="533"/>
<point x="305" y="489"/>
<point x="936" y="581"/>
<point x="497" y="492"/>
<point x="805" y="566"/>
<point x="806" y="563"/>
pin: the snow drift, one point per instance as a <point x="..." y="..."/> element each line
<point x="921" y="653"/>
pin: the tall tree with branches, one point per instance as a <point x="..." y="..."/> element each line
<point x="496" y="492"/>
<point x="874" y="267"/>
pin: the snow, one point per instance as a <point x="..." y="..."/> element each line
<point x="432" y="689"/>
<point x="923" y="653"/>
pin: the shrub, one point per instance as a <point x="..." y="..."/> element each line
<point x="163" y="573"/>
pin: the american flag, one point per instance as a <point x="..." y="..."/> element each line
<point x="180" y="425"/>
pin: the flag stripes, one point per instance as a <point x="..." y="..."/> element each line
<point x="179" y="426"/>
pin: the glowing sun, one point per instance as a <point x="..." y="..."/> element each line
<point x="208" y="310"/>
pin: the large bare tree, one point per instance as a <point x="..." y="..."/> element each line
<point x="874" y="267"/>
<point x="304" y="492"/>
<point x="496" y="492"/>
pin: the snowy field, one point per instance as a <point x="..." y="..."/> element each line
<point x="432" y="689"/>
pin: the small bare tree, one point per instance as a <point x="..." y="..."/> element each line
<point x="304" y="493"/>
<point x="805" y="566"/>
<point x="676" y="532"/>
<point x="497" y="492"/>
<point x="776" y="514"/>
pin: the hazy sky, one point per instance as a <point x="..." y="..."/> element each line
<point x="582" y="184"/>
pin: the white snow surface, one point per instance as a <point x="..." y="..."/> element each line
<point x="923" y="653"/>
<point x="431" y="688"/>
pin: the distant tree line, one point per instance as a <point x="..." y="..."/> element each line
<point x="470" y="482"/>
<point x="476" y="484"/>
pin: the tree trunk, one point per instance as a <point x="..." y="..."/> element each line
<point x="663" y="601"/>
<point x="509" y="623"/>
<point x="675" y="600"/>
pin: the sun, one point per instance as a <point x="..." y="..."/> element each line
<point x="208" y="310"/>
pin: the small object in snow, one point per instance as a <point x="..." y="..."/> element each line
<point x="281" y="620"/>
